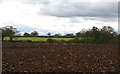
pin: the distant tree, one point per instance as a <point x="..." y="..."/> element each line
<point x="26" y="34"/>
<point x="69" y="35"/>
<point x="34" y="33"/>
<point x="9" y="31"/>
<point x="96" y="35"/>
<point x="49" y="34"/>
<point x="57" y="35"/>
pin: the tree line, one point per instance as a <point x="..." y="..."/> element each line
<point x="106" y="34"/>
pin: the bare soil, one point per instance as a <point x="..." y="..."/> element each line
<point x="59" y="57"/>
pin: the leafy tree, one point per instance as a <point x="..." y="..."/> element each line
<point x="108" y="29"/>
<point x="9" y="31"/>
<point x="108" y="34"/>
<point x="34" y="33"/>
<point x="96" y="34"/>
<point x="78" y="34"/>
<point x="81" y="33"/>
<point x="88" y="34"/>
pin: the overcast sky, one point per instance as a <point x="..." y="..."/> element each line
<point x="58" y="16"/>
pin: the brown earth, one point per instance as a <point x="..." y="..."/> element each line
<point x="59" y="57"/>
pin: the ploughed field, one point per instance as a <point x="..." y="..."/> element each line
<point x="59" y="57"/>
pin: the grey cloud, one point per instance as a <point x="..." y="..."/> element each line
<point x="64" y="8"/>
<point x="1" y="1"/>
<point x="63" y="25"/>
<point x="55" y="25"/>
<point x="43" y="2"/>
<point x="81" y="9"/>
<point x="71" y="26"/>
<point x="75" y="20"/>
